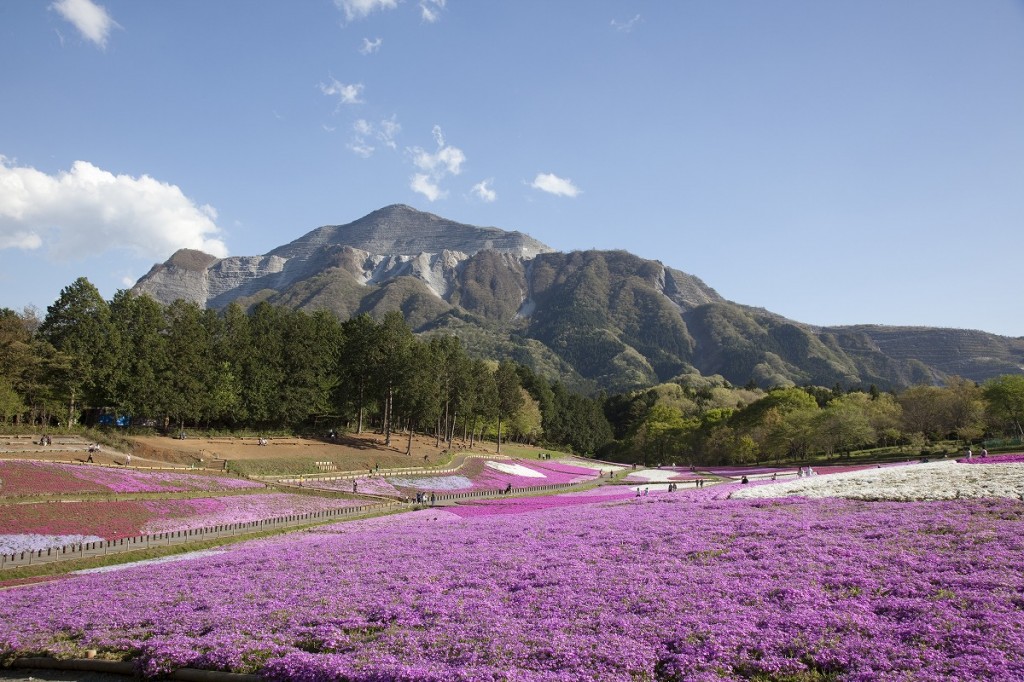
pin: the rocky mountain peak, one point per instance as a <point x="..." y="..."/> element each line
<point x="400" y="230"/>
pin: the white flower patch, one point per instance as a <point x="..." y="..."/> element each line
<point x="434" y="482"/>
<point x="515" y="469"/>
<point x="33" y="542"/>
<point x="659" y="475"/>
<point x="149" y="562"/>
<point x="914" y="483"/>
<point x="588" y="464"/>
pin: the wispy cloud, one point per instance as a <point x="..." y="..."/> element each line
<point x="483" y="191"/>
<point x="87" y="210"/>
<point x="435" y="166"/>
<point x="359" y="9"/>
<point x="626" y="26"/>
<point x="371" y="46"/>
<point x="427" y="186"/>
<point x="366" y="134"/>
<point x="91" y="20"/>
<point x="347" y="93"/>
<point x="430" y="10"/>
<point x="552" y="184"/>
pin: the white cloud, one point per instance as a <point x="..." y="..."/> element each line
<point x="484" y="191"/>
<point x="91" y="20"/>
<point x="359" y="9"/>
<point x="446" y="160"/>
<point x="425" y="185"/>
<point x="626" y="26"/>
<point x="552" y="184"/>
<point x="347" y="93"/>
<point x="387" y="130"/>
<point x="18" y="239"/>
<point x="436" y="166"/>
<point x="371" y="46"/>
<point x="364" y="133"/>
<point x="87" y="210"/>
<point x="360" y="148"/>
<point x="430" y="10"/>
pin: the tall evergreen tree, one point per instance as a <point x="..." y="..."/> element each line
<point x="77" y="325"/>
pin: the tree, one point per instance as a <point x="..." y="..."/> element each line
<point x="19" y="362"/>
<point x="263" y="364"/>
<point x="526" y="425"/>
<point x="484" y="397"/>
<point x="391" y="364"/>
<point x="11" y="404"/>
<point x="309" y="364"/>
<point x="510" y="398"/>
<point x="658" y="436"/>
<point x="358" y="360"/>
<point x="844" y="424"/>
<point x="139" y="362"/>
<point x="77" y="325"/>
<point x="231" y="336"/>
<point x="191" y="367"/>
<point x="965" y="408"/>
<point x="924" y="411"/>
<point x="1005" y="401"/>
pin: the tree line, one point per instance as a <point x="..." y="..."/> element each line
<point x="181" y="366"/>
<point x="704" y="420"/>
<point x="272" y="368"/>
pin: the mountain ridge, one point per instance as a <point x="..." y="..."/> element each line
<point x="597" y="319"/>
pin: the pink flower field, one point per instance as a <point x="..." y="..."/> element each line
<point x="21" y="478"/>
<point x="668" y="588"/>
<point x="1014" y="458"/>
<point x="44" y="525"/>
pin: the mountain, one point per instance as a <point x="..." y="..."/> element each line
<point x="597" y="319"/>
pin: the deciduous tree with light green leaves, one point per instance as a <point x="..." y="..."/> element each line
<point x="1005" y="401"/>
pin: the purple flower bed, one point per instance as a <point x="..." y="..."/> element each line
<point x="669" y="588"/>
<point x="34" y="478"/>
<point x="1015" y="458"/>
<point x="521" y="505"/>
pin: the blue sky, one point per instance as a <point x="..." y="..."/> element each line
<point x="842" y="162"/>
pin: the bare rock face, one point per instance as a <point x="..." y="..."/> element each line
<point x="391" y="242"/>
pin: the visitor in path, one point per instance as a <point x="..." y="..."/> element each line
<point x="355" y="486"/>
<point x="984" y="452"/>
<point x="774" y="477"/>
<point x="744" y="480"/>
<point x="508" y="489"/>
<point x="969" y="453"/>
<point x="128" y="460"/>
